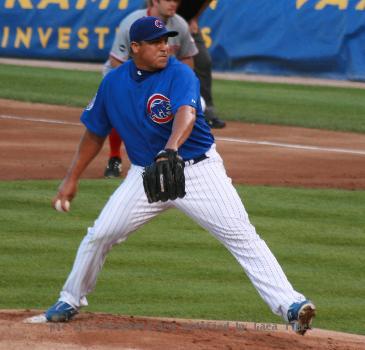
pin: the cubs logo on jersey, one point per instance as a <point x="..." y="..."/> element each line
<point x="159" y="109"/>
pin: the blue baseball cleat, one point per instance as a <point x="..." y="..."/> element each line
<point x="300" y="316"/>
<point x="60" y="312"/>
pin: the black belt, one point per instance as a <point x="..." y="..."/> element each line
<point x="196" y="159"/>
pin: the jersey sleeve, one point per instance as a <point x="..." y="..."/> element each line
<point x="185" y="89"/>
<point x="94" y="116"/>
<point x="120" y="48"/>
<point x="188" y="47"/>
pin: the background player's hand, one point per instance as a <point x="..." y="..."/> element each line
<point x="193" y="26"/>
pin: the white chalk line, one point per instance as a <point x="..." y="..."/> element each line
<point x="39" y="120"/>
<point x="223" y="139"/>
<point x="288" y="145"/>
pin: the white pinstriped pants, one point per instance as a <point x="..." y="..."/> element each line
<point x="212" y="202"/>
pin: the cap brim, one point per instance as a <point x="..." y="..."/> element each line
<point x="169" y="33"/>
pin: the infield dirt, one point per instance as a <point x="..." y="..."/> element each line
<point x="32" y="148"/>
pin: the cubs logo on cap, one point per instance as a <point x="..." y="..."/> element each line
<point x="159" y="109"/>
<point x="159" y="23"/>
<point x="148" y="29"/>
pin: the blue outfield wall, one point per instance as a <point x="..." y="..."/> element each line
<point x="323" y="38"/>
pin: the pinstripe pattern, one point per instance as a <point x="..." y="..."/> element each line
<point x="212" y="202"/>
<point x="126" y="210"/>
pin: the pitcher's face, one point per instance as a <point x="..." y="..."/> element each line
<point x="151" y="55"/>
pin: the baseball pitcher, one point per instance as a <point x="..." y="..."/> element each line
<point x="152" y="100"/>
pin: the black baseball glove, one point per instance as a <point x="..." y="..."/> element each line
<point x="164" y="179"/>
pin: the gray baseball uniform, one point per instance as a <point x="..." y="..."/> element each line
<point x="181" y="46"/>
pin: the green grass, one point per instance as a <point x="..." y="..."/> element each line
<point x="45" y="85"/>
<point x="329" y="108"/>
<point x="332" y="108"/>
<point x="172" y="267"/>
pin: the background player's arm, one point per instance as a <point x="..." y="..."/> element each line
<point x="114" y="63"/>
<point x="189" y="61"/>
<point x="202" y="9"/>
<point x="90" y="145"/>
<point x="193" y="23"/>
<point x="119" y="51"/>
<point x="182" y="127"/>
<point x="188" y="47"/>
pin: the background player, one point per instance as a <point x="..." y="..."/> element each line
<point x="191" y="11"/>
<point x="182" y="46"/>
<point x="153" y="103"/>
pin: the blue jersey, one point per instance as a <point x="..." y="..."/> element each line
<point x="141" y="107"/>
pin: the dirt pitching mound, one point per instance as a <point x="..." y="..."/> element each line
<point x="104" y="331"/>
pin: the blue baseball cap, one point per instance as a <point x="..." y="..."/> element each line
<point x="149" y="28"/>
